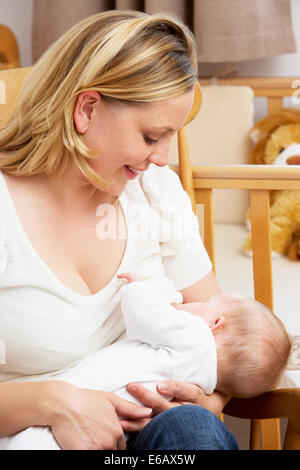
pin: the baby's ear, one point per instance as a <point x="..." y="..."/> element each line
<point x="217" y="323"/>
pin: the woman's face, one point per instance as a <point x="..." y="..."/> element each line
<point x="128" y="135"/>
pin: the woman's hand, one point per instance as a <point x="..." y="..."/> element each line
<point x="187" y="393"/>
<point x="182" y="393"/>
<point x="82" y="419"/>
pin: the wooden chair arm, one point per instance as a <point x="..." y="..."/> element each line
<point x="246" y="177"/>
<point x="279" y="403"/>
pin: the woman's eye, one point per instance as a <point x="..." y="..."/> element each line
<point x="149" y="140"/>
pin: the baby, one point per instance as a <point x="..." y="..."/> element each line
<point x="230" y="343"/>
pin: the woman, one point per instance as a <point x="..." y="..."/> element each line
<point x="92" y="130"/>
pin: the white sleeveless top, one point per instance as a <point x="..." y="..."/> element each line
<point x="46" y="327"/>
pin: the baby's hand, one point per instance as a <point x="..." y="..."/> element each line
<point x="130" y="277"/>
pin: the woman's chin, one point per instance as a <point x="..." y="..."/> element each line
<point x="116" y="189"/>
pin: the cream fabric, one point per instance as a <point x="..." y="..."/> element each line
<point x="225" y="30"/>
<point x="234" y="30"/>
<point x="220" y="135"/>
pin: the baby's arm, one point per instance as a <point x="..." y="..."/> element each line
<point x="152" y="320"/>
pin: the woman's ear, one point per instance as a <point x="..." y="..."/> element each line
<point x="86" y="104"/>
<point x="217" y="323"/>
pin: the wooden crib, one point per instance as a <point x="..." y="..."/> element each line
<point x="199" y="182"/>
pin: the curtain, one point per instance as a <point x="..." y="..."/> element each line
<point x="225" y="30"/>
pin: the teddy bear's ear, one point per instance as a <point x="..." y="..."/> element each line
<point x="256" y="135"/>
<point x="264" y="127"/>
<point x="257" y="154"/>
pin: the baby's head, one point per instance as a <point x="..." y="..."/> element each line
<point x="252" y="344"/>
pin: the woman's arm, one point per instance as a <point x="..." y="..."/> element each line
<point x="21" y="406"/>
<point x="202" y="290"/>
<point x="78" y="418"/>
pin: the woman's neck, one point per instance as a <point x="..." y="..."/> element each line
<point x="72" y="190"/>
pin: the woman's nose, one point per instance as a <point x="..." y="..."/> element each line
<point x="160" y="158"/>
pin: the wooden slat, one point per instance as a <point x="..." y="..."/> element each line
<point x="246" y="177"/>
<point x="292" y="439"/>
<point x="266" y="83"/>
<point x="273" y="92"/>
<point x="257" y="172"/>
<point x="255" y="434"/>
<point x="261" y="247"/>
<point x="275" y="104"/>
<point x="270" y="434"/>
<point x="263" y="286"/>
<point x="185" y="167"/>
<point x="205" y="197"/>
<point x="246" y="184"/>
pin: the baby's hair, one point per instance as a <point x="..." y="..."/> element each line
<point x="254" y="349"/>
<point x="126" y="56"/>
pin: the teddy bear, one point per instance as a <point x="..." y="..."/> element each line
<point x="277" y="142"/>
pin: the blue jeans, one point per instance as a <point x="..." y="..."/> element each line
<point x="186" y="427"/>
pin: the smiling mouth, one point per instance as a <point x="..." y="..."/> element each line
<point x="133" y="170"/>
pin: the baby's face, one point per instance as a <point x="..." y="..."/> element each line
<point x="211" y="309"/>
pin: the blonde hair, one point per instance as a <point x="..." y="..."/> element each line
<point x="253" y="349"/>
<point x="124" y="55"/>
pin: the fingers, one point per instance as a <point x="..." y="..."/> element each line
<point x="181" y="391"/>
<point x="184" y="393"/>
<point x="130" y="277"/>
<point x="121" y="443"/>
<point x="148" y="398"/>
<point x="135" y="425"/>
<point x="127" y="409"/>
<point x="123" y="276"/>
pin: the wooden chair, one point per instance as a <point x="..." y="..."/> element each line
<point x="199" y="182"/>
<point x="9" y="50"/>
